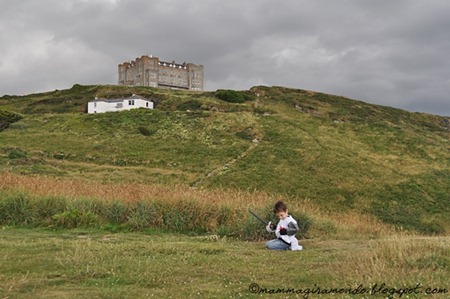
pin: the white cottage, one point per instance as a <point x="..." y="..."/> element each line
<point x="109" y="105"/>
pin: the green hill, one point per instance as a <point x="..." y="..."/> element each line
<point x="339" y="153"/>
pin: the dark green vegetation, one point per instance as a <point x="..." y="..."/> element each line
<point x="7" y="118"/>
<point x="234" y="96"/>
<point x="339" y="153"/>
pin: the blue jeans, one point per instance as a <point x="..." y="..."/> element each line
<point x="277" y="244"/>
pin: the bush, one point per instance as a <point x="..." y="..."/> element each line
<point x="231" y="96"/>
<point x="16" y="209"/>
<point x="246" y="134"/>
<point x="146" y="131"/>
<point x="145" y="215"/>
<point x="17" y="154"/>
<point x="21" y="209"/>
<point x="75" y="218"/>
<point x="248" y="96"/>
<point x="190" y="105"/>
<point x="7" y="118"/>
<point x="59" y="156"/>
<point x="186" y="216"/>
<point x="45" y="208"/>
<point x="116" y="213"/>
<point x="304" y="223"/>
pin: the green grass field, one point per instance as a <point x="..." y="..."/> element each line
<point x="157" y="264"/>
<point x="153" y="203"/>
<point x="339" y="153"/>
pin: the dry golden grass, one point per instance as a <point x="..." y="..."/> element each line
<point x="400" y="255"/>
<point x="51" y="186"/>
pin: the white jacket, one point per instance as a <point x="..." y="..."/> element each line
<point x="290" y="224"/>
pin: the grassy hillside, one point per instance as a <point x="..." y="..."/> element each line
<point x="343" y="155"/>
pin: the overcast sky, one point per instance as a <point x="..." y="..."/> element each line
<point x="388" y="52"/>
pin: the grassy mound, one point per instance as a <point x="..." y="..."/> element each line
<point x="341" y="154"/>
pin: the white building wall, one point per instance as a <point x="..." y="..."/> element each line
<point x="101" y="106"/>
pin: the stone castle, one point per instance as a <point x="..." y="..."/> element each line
<point x="150" y="71"/>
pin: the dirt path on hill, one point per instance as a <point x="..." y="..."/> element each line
<point x="218" y="170"/>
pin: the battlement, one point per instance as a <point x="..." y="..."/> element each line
<point x="150" y="71"/>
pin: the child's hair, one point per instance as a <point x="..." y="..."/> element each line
<point x="280" y="206"/>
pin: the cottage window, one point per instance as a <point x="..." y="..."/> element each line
<point x="131" y="102"/>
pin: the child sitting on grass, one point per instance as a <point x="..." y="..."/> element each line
<point x="285" y="230"/>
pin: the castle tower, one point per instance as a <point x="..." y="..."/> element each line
<point x="150" y="71"/>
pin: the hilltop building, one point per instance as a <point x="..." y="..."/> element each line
<point x="100" y="105"/>
<point x="150" y="71"/>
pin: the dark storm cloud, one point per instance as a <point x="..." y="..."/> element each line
<point x="387" y="52"/>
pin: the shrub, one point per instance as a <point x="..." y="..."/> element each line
<point x="59" y="156"/>
<point x="145" y="215"/>
<point x="304" y="223"/>
<point x="116" y="213"/>
<point x="45" y="208"/>
<point x="231" y="96"/>
<point x="246" y="134"/>
<point x="7" y="118"/>
<point x="190" y="105"/>
<point x="146" y="131"/>
<point x="226" y="216"/>
<point x="252" y="229"/>
<point x="17" y="154"/>
<point x="75" y="218"/>
<point x="248" y="96"/>
<point x="16" y="209"/>
<point x="186" y="216"/>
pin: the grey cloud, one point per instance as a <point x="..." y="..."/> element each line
<point x="387" y="52"/>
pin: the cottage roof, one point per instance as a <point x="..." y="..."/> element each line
<point x="118" y="100"/>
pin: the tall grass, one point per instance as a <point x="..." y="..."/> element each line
<point x="56" y="202"/>
<point x="400" y="255"/>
